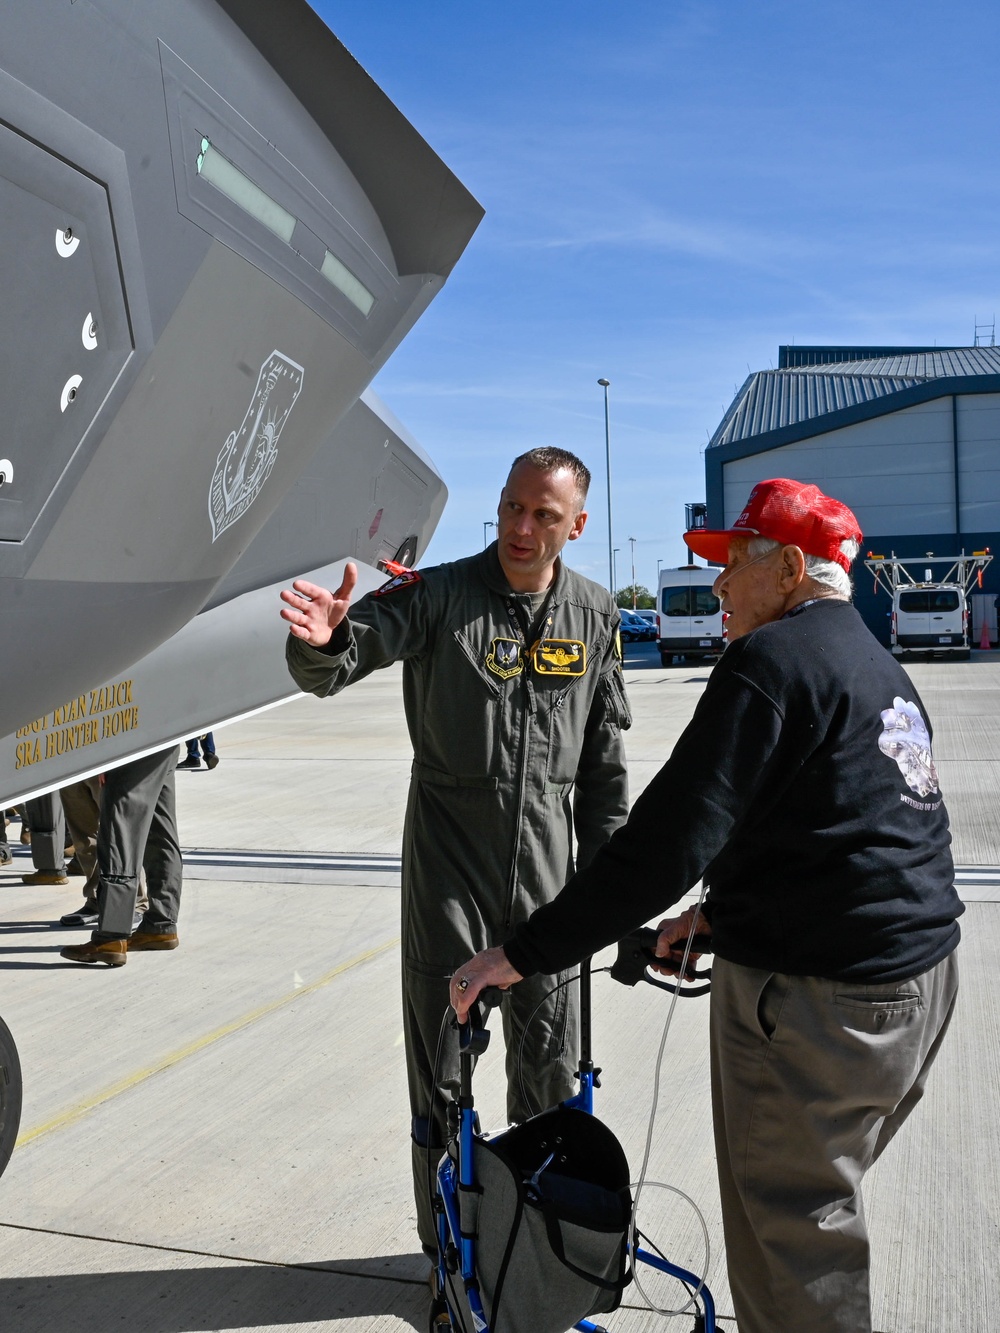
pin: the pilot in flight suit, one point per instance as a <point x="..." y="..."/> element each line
<point x="515" y="705"/>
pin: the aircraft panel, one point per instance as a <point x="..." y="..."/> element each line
<point x="249" y="227"/>
<point x="184" y="687"/>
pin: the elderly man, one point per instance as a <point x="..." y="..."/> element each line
<point x="514" y="700"/>
<point x="804" y="793"/>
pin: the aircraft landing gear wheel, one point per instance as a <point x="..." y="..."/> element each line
<point x="10" y="1094"/>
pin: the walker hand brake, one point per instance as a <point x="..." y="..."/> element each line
<point x="636" y="952"/>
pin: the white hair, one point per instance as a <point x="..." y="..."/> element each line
<point x="826" y="572"/>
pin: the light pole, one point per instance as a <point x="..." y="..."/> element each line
<point x="632" y="540"/>
<point x="605" y="385"/>
<point x="658" y="564"/>
<point x="614" y="575"/>
<point x="487" y="524"/>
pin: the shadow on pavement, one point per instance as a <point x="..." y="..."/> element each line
<point x="236" y="1296"/>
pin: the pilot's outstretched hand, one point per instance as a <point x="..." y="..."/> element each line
<point x="489" y="968"/>
<point x="312" y="612"/>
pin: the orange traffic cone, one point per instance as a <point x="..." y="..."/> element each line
<point x="984" y="638"/>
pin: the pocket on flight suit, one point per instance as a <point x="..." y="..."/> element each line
<point x="615" y="700"/>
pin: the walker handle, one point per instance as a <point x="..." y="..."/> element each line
<point x="472" y="1034"/>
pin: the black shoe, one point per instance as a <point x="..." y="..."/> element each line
<point x="190" y="762"/>
<point x="83" y="916"/>
<point x="211" y="760"/>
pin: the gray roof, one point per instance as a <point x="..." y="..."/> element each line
<point x="771" y="399"/>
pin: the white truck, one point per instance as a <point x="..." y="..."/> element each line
<point x="688" y="614"/>
<point x="930" y="616"/>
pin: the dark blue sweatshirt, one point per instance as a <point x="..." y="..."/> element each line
<point x="804" y="792"/>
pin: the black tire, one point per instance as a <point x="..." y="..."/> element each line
<point x="10" y="1094"/>
<point x="666" y="659"/>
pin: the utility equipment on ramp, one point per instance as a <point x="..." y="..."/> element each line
<point x="929" y="615"/>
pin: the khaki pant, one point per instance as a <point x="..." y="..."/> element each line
<point x="810" y="1081"/>
<point x="81" y="803"/>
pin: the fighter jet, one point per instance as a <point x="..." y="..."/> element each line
<point x="216" y="230"/>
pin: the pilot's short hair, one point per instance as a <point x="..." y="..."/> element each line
<point x="549" y="459"/>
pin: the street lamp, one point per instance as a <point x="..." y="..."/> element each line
<point x="614" y="575"/>
<point x="632" y="540"/>
<point x="605" y="385"/>
<point x="487" y="524"/>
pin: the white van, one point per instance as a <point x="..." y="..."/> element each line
<point x="688" y="613"/>
<point x="930" y="618"/>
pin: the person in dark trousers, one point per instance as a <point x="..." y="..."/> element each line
<point x="514" y="700"/>
<point x="804" y="793"/>
<point x="193" y="757"/>
<point x="138" y="829"/>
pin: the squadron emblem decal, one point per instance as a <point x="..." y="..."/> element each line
<point x="504" y="658"/>
<point x="560" y="657"/>
<point x="247" y="457"/>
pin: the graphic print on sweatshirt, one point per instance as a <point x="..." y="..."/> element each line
<point x="906" y="739"/>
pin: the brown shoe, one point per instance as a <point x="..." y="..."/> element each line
<point x="112" y="952"/>
<point x="25" y="837"/>
<point x="45" y="877"/>
<point x="147" y="939"/>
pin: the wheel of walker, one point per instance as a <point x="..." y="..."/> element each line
<point x="10" y="1094"/>
<point x="440" y="1319"/>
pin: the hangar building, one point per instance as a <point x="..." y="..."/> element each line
<point x="909" y="437"/>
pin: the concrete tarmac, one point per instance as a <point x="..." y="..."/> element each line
<point x="217" y="1138"/>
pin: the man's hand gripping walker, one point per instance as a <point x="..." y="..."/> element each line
<point x="456" y="1264"/>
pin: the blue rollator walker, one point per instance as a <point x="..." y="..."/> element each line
<point x="535" y="1231"/>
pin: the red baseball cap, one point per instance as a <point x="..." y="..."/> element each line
<point x="793" y="513"/>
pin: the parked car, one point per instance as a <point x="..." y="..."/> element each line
<point x="690" y="614"/>
<point x="634" y="626"/>
<point x="931" y="618"/>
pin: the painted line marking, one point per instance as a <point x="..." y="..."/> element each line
<point x="75" y="1113"/>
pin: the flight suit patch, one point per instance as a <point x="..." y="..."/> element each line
<point x="406" y="580"/>
<point x="504" y="658"/>
<point x="560" y="657"/>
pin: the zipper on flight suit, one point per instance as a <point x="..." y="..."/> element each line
<point x="528" y="714"/>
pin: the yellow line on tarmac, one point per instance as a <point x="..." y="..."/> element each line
<point x="175" y="1057"/>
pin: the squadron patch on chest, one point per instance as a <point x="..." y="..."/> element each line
<point x="504" y="658"/>
<point x="560" y="657"/>
<point x="406" y="580"/>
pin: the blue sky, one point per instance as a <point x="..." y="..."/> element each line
<point x="672" y="189"/>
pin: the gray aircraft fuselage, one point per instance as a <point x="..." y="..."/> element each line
<point x="216" y="229"/>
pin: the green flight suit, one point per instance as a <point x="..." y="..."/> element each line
<point x="514" y="750"/>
